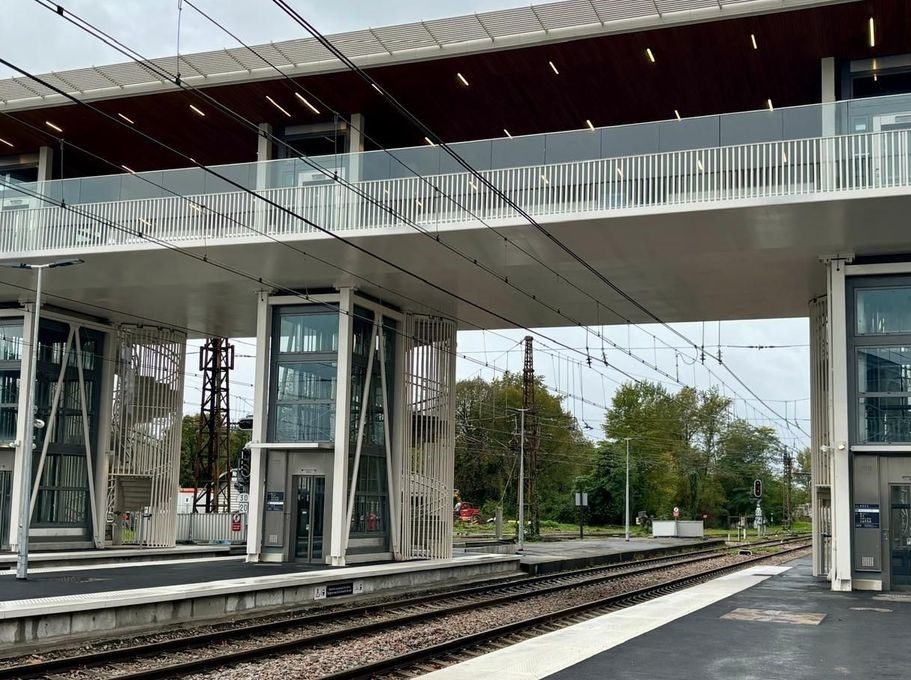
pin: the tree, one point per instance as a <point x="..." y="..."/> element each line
<point x="487" y="446"/>
<point x="190" y="442"/>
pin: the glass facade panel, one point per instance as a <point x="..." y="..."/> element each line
<point x="304" y="374"/>
<point x="881" y="311"/>
<point x="307" y="333"/>
<point x="11" y="340"/>
<point x="885" y="419"/>
<point x="884" y="369"/>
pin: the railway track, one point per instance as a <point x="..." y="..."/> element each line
<point x="326" y="628"/>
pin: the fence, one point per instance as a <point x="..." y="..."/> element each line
<point x="745" y="172"/>
<point x="199" y="527"/>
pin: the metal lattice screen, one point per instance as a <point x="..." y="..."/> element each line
<point x="429" y="427"/>
<point x="145" y="461"/>
<point x="820" y="468"/>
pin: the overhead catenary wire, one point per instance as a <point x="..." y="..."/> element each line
<point x="647" y="364"/>
<point x="434" y="138"/>
<point x="139" y="59"/>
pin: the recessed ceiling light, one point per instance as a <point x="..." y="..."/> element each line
<point x="196" y="206"/>
<point x="872" y="33"/>
<point x="463" y="79"/>
<point x="590" y="126"/>
<point x="784" y="156"/>
<point x="199" y="111"/>
<point x="769" y="104"/>
<point x="376" y="87"/>
<point x="677" y="113"/>
<point x="144" y="221"/>
<point x="554" y="68"/>
<point x="650" y="54"/>
<point x="619" y="171"/>
<point x="3" y="141"/>
<point x="427" y="139"/>
<point x="126" y="119"/>
<point x="278" y="106"/>
<point x="753" y="40"/>
<point x="507" y="133"/>
<point x="128" y="169"/>
<point x="472" y="184"/>
<point x="544" y="179"/>
<point x="418" y="201"/>
<point x="52" y="126"/>
<point x="699" y="164"/>
<point x="307" y="102"/>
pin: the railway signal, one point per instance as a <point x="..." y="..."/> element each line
<point x="757" y="488"/>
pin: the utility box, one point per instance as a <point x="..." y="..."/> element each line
<point x="678" y="529"/>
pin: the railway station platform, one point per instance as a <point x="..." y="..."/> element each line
<point x="764" y="622"/>
<point x="73" y="602"/>
<point x="549" y="557"/>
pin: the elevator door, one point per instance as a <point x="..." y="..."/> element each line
<point x="900" y="535"/>
<point x="308" y="528"/>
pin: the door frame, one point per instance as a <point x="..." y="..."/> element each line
<point x="889" y="580"/>
<point x="292" y="543"/>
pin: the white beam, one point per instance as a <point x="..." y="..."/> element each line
<point x="256" y="507"/>
<point x="841" y="455"/>
<point x="337" y="530"/>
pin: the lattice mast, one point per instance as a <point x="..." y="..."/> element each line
<point x="531" y="440"/>
<point x="212" y="466"/>
<point x="788" y="475"/>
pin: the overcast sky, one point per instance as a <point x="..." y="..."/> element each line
<point x="37" y="40"/>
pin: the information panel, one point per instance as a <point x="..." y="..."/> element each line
<point x="866" y="516"/>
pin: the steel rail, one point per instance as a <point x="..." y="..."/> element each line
<point x="510" y="590"/>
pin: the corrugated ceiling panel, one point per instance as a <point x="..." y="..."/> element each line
<point x="247" y="58"/>
<point x="130" y="73"/>
<point x="357" y="44"/>
<point x="212" y="63"/>
<point x="511" y="22"/>
<point x="457" y="29"/>
<point x="304" y="51"/>
<point x="11" y="90"/>
<point x="671" y="6"/>
<point x="617" y="10"/>
<point x="87" y="79"/>
<point x="567" y="14"/>
<point x="405" y="37"/>
<point x="50" y="79"/>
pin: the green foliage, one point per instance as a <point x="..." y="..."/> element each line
<point x="487" y="447"/>
<point x="190" y="442"/>
<point x="686" y="450"/>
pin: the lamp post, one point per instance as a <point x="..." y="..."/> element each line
<point x="626" y="513"/>
<point x="27" y="438"/>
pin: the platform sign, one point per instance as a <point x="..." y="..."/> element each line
<point x="676" y="513"/>
<point x="243" y="503"/>
<point x="866" y="516"/>
<point x="235" y="522"/>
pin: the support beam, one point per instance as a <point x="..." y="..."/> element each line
<point x="256" y="506"/>
<point x="45" y="163"/>
<point x="840" y="409"/>
<point x="338" y="531"/>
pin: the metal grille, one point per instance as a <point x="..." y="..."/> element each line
<point x="147" y="424"/>
<point x="429" y="455"/>
<point x="820" y="467"/>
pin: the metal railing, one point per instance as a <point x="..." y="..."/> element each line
<point x="689" y="178"/>
<point x="215" y="527"/>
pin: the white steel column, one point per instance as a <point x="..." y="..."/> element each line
<point x="827" y="162"/>
<point x="45" y="164"/>
<point x="105" y="411"/>
<point x="21" y="424"/>
<point x="256" y="506"/>
<point x="338" y="531"/>
<point x="840" y="409"/>
<point x="355" y="146"/>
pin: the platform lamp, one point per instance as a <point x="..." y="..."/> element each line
<point x="27" y="438"/>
